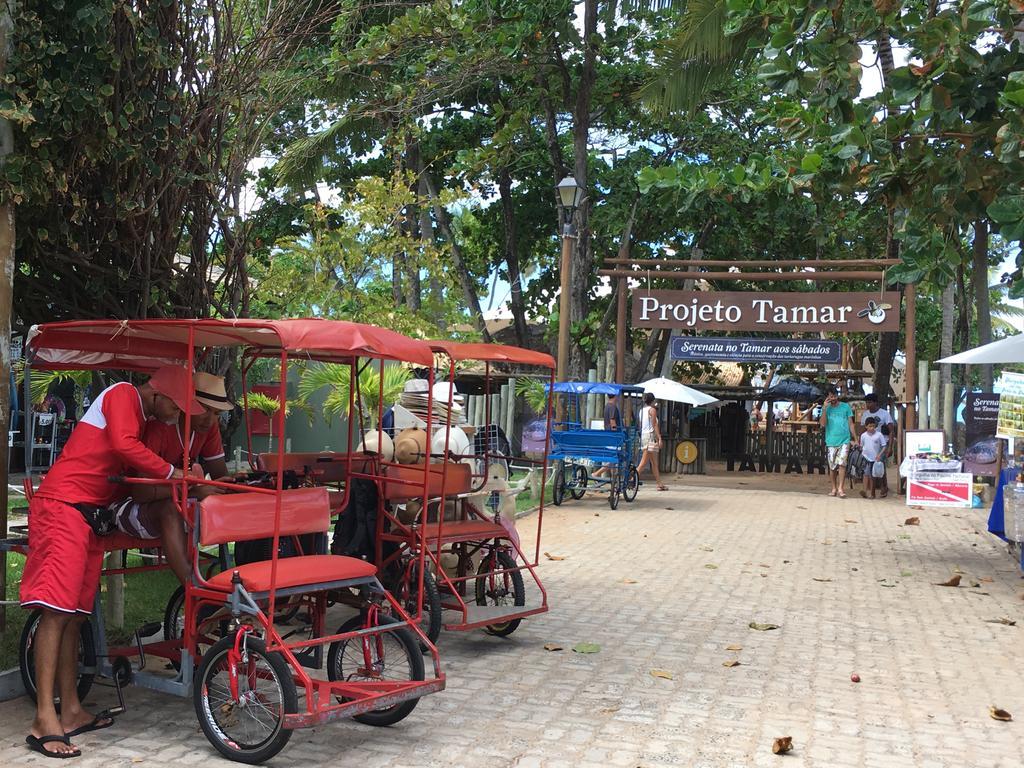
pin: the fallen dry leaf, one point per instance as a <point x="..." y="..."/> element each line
<point x="712" y="566"/>
<point x="851" y="521"/>
<point x="782" y="745"/>
<point x="912" y="521"/>
<point x="630" y="581"/>
<point x="826" y="542"/>
<point x="706" y="548"/>
<point x="764" y="575"/>
<point x="976" y="592"/>
<point x="953" y="582"/>
<point x="664" y="674"/>
<point x="999" y="714"/>
<point x="734" y="647"/>
<point x="1002" y="620"/>
<point x="553" y="647"/>
<point x="986" y="579"/>
<point x="586" y="648"/>
<point x="549" y="556"/>
<point x="815" y="578"/>
<point x="762" y="627"/>
<point x="731" y="663"/>
<point x="764" y="565"/>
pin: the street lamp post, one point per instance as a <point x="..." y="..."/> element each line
<point x="569" y="196"/>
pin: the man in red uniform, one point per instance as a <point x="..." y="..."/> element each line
<point x="65" y="556"/>
<point x="150" y="513"/>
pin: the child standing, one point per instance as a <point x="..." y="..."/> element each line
<point x="872" y="446"/>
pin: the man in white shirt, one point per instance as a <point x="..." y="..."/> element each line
<point x="887" y="427"/>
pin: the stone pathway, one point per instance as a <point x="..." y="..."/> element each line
<point x="667" y="583"/>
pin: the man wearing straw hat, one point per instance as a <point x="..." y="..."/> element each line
<point x="150" y="513"/>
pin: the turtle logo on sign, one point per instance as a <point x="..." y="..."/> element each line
<point x="875" y="313"/>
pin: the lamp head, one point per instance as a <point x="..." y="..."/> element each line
<point x="570" y="193"/>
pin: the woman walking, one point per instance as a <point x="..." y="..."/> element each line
<point x="650" y="439"/>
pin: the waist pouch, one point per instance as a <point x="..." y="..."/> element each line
<point x="100" y="519"/>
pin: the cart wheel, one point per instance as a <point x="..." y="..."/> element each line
<point x="613" y="493"/>
<point x="632" y="483"/>
<point x="27" y="664"/>
<point x="579" y="481"/>
<point x="393" y="655"/>
<point x="174" y="619"/>
<point x="406" y="595"/>
<point x="500" y="589"/>
<point x="251" y="729"/>
<point x="558" y="489"/>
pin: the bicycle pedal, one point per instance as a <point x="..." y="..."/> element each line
<point x="148" y="629"/>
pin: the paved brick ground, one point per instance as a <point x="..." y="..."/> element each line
<point x="851" y="588"/>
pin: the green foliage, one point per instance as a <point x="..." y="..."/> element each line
<point x="42" y="381"/>
<point x="265" y="404"/>
<point x="370" y="394"/>
<point x="534" y="392"/>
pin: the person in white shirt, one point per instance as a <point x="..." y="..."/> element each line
<point x="872" y="447"/>
<point x="886" y="428"/>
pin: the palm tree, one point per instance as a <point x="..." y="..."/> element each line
<point x="699" y="55"/>
<point x="337" y="378"/>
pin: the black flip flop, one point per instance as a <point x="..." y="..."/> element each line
<point x="38" y="744"/>
<point x="95" y="725"/>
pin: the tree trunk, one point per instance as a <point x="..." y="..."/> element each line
<point x="979" y="280"/>
<point x="946" y="340"/>
<point x="6" y="295"/>
<point x="465" y="279"/>
<point x="582" y="257"/>
<point x="889" y="341"/>
<point x="508" y="216"/>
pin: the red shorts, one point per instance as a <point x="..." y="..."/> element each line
<point x="64" y="559"/>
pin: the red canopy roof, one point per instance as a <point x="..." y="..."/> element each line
<point x="147" y="344"/>
<point x="492" y="353"/>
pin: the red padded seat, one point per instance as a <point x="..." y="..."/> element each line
<point x="296" y="572"/>
<point x="467" y="530"/>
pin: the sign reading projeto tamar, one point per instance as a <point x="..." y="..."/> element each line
<point x="753" y="311"/>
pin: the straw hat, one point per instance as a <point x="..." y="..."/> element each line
<point x="411" y="446"/>
<point x="376" y="441"/>
<point x="210" y="391"/>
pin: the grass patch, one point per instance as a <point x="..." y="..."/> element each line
<point x="146" y="596"/>
<point x="526" y="500"/>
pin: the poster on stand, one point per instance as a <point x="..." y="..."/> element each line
<point x="981" y="415"/>
<point x="1010" y="421"/>
<point x="940" y="489"/>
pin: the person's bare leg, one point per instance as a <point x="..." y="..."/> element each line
<point x="654" y="470"/>
<point x="175" y="541"/>
<point x="46" y="648"/>
<point x="72" y="715"/>
<point x="842" y="480"/>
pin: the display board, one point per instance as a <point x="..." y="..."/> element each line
<point x="940" y="489"/>
<point x="718" y="349"/>
<point x="1010" y="421"/>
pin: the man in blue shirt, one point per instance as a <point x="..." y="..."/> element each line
<point x="837" y="420"/>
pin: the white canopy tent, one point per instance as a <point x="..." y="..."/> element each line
<point x="666" y="389"/>
<point x="1008" y="350"/>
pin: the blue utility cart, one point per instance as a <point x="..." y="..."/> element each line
<point x="599" y="460"/>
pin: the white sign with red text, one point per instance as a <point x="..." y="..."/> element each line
<point x="940" y="489"/>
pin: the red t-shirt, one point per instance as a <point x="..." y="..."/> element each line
<point x="106" y="442"/>
<point x="165" y="441"/>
